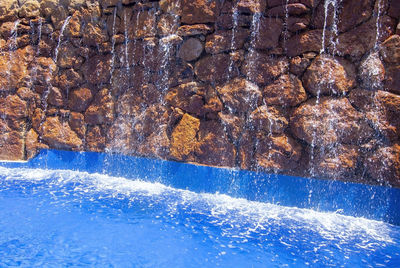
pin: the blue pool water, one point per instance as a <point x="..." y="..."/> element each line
<point x="52" y="218"/>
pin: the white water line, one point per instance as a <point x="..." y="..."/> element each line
<point x="65" y="24"/>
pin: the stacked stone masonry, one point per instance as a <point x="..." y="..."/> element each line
<point x="295" y="87"/>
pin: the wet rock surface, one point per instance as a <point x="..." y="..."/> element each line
<point x="255" y="84"/>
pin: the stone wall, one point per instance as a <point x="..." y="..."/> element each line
<point x="289" y="86"/>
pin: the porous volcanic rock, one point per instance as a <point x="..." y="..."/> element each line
<point x="392" y="79"/>
<point x="329" y="120"/>
<point x="328" y="75"/>
<point x="12" y="145"/>
<point x="97" y="69"/>
<point x="101" y="110"/>
<point x="287" y="90"/>
<point x="13" y="108"/>
<point x="183" y="138"/>
<point x="251" y="6"/>
<point x="32" y="143"/>
<point x="95" y="139"/>
<point x="269" y="31"/>
<point x="222" y="41"/>
<point x="290" y="9"/>
<point x="305" y="42"/>
<point x="269" y="119"/>
<point x="214" y="68"/>
<point x="58" y="134"/>
<point x="371" y="72"/>
<point x="79" y="99"/>
<point x="199" y="11"/>
<point x="8" y="9"/>
<point x="390" y="49"/>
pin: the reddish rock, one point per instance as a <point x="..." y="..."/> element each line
<point x="143" y="23"/>
<point x="251" y="6"/>
<point x="77" y="124"/>
<point x="390" y="49"/>
<point x="194" y="98"/>
<point x="199" y="11"/>
<point x="269" y="119"/>
<point x="295" y="24"/>
<point x="95" y="139"/>
<point x="308" y="3"/>
<point x="384" y="165"/>
<point x="230" y="21"/>
<point x="68" y="79"/>
<point x="268" y="34"/>
<point x="287" y="90"/>
<point x="12" y="146"/>
<point x="335" y="162"/>
<point x="305" y="42"/>
<point x="55" y="97"/>
<point x="97" y="69"/>
<point x="328" y="121"/>
<point x="101" y="110"/>
<point x="196" y="29"/>
<point x="43" y="71"/>
<point x="214" y="147"/>
<point x="371" y="72"/>
<point x="73" y="28"/>
<point x="356" y="42"/>
<point x="246" y="150"/>
<point x="392" y="79"/>
<point x="58" y="134"/>
<point x="276" y="152"/>
<point x="382" y="110"/>
<point x="298" y="65"/>
<point x="32" y="144"/>
<point x="183" y="138"/>
<point x="191" y="49"/>
<point x="155" y="145"/>
<point x="222" y="41"/>
<point x="240" y="95"/>
<point x="79" y="99"/>
<point x="394" y="9"/>
<point x="13" y="108"/>
<point x="214" y="68"/>
<point x="328" y="75"/>
<point x="8" y="9"/>
<point x="167" y="24"/>
<point x="291" y="9"/>
<point x="68" y="57"/>
<point x="233" y="125"/>
<point x="262" y="68"/>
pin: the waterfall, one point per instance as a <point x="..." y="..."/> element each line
<point x="65" y="24"/>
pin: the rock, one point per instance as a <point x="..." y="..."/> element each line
<point x="222" y="41"/>
<point x="199" y="11"/>
<point x="262" y="68"/>
<point x="327" y="121"/>
<point x="296" y="24"/>
<point x="12" y="107"/>
<point x="240" y="95"/>
<point x="214" y="147"/>
<point x="58" y="134"/>
<point x="371" y="72"/>
<point x="167" y="25"/>
<point x="308" y="3"/>
<point x="290" y="9"/>
<point x="194" y="98"/>
<point x="95" y="139"/>
<point x="97" y="70"/>
<point x="12" y="146"/>
<point x="233" y="125"/>
<point x="381" y="108"/>
<point x="68" y="57"/>
<point x="305" y="42"/>
<point x="230" y="21"/>
<point x="29" y="9"/>
<point x="394" y="9"/>
<point x="390" y="49"/>
<point x="392" y="79"/>
<point x="328" y="75"/>
<point x="276" y="152"/>
<point x="8" y="10"/>
<point x="79" y="99"/>
<point x="48" y="7"/>
<point x="196" y="29"/>
<point x="101" y="111"/>
<point x="356" y="42"/>
<point x="298" y="65"/>
<point x="43" y="71"/>
<point x="191" y="49"/>
<point x="144" y="24"/>
<point x="335" y="162"/>
<point x="268" y="33"/>
<point x="109" y="3"/>
<point x="68" y="79"/>
<point x="384" y="165"/>
<point x="183" y="138"/>
<point x="155" y="145"/>
<point x="269" y="119"/>
<point x="94" y="35"/>
<point x="32" y="144"/>
<point x="55" y="97"/>
<point x="251" y="6"/>
<point x="214" y="68"/>
<point x="77" y="124"/>
<point x="287" y="90"/>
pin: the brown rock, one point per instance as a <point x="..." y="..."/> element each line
<point x="12" y="107"/>
<point x="32" y="144"/>
<point x="392" y="79"/>
<point x="268" y="33"/>
<point x="262" y="68"/>
<point x="191" y="49"/>
<point x="295" y="24"/>
<point x="269" y="119"/>
<point x="95" y="139"/>
<point x="384" y="165"/>
<point x="291" y="9"/>
<point x="251" y="6"/>
<point x="327" y="75"/>
<point x="309" y="3"/>
<point x="276" y="152"/>
<point x="335" y="162"/>
<point x="287" y="90"/>
<point x="97" y="69"/>
<point x="101" y="110"/>
<point x="73" y="28"/>
<point x="371" y="72"/>
<point x="55" y="97"/>
<point x="77" y="124"/>
<point x="390" y="49"/>
<point x="298" y="65"/>
<point x="328" y="121"/>
<point x="199" y="11"/>
<point x="381" y="108"/>
<point x="8" y="9"/>
<point x="68" y="79"/>
<point x="183" y="138"/>
<point x="232" y="20"/>
<point x="233" y="125"/>
<point x="305" y="42"/>
<point x="43" y="71"/>
<point x="394" y="9"/>
<point x="167" y="24"/>
<point x="57" y="134"/>
<point x="222" y="41"/>
<point x="214" y="147"/>
<point x="29" y="9"/>
<point x="12" y="146"/>
<point x="79" y="99"/>
<point x="240" y="95"/>
<point x="156" y="144"/>
<point x="68" y="57"/>
<point x="196" y="29"/>
<point x="215" y="68"/>
<point x="144" y="24"/>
